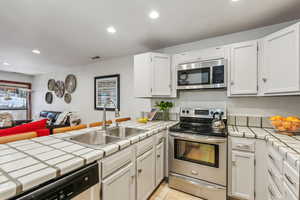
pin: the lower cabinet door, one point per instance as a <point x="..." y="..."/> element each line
<point x="145" y="175"/>
<point x="160" y="158"/>
<point x="120" y="185"/>
<point x="243" y="175"/>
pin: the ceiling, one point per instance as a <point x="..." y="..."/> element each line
<point x="69" y="32"/>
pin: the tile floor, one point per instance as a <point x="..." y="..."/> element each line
<point x="166" y="193"/>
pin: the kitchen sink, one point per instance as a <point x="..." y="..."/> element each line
<point x="124" y="132"/>
<point x="95" y="138"/>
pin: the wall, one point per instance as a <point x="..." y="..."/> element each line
<point x="83" y="101"/>
<point x="83" y="97"/>
<point x="11" y="76"/>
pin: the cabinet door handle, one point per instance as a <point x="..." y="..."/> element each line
<point x="270" y="172"/>
<point x="231" y="83"/>
<point x="271" y="191"/>
<point x="194" y="172"/>
<point x="289" y="179"/>
<point x="233" y="163"/>
<point x="264" y="80"/>
<point x="271" y="157"/>
<point x="158" y="156"/>
<point x="140" y="170"/>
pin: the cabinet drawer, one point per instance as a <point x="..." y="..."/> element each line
<point x="291" y="178"/>
<point x="288" y="194"/>
<point x="116" y="161"/>
<point x="275" y="158"/>
<point x="273" y="192"/>
<point x="243" y="144"/>
<point x="144" y="146"/>
<point x="274" y="174"/>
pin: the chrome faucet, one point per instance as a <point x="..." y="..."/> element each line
<point x="117" y="114"/>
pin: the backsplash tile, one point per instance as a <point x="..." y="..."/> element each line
<point x="266" y="122"/>
<point x="231" y="120"/>
<point x="254" y="121"/>
<point x="241" y="121"/>
<point x="251" y="121"/>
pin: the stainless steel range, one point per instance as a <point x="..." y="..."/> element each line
<point x="198" y="153"/>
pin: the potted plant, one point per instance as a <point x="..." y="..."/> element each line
<point x="164" y="107"/>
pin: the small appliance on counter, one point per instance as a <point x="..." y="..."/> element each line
<point x="198" y="153"/>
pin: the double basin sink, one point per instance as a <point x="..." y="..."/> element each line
<point x="108" y="136"/>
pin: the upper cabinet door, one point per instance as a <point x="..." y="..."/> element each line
<point x="161" y="75"/>
<point x="243" y="68"/>
<point x="152" y="75"/>
<point x="142" y="75"/>
<point x="281" y="62"/>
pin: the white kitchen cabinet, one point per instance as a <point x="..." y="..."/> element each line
<point x="120" y="185"/>
<point x="200" y="55"/>
<point x="242" y="172"/>
<point x="243" y="68"/>
<point x="160" y="159"/>
<point x="145" y="175"/>
<point x="281" y="66"/>
<point x="152" y="75"/>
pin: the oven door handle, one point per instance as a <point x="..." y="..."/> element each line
<point x="199" y="139"/>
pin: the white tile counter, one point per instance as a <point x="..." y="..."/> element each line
<point x="28" y="163"/>
<point x="287" y="146"/>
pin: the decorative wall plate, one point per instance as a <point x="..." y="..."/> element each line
<point x="49" y="97"/>
<point x="68" y="98"/>
<point x="59" y="89"/>
<point x="70" y="83"/>
<point x="51" y="84"/>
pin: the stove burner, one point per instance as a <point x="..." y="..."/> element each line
<point x="203" y="128"/>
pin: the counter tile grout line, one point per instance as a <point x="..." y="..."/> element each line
<point x="78" y="156"/>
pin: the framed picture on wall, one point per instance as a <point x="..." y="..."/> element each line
<point x="107" y="87"/>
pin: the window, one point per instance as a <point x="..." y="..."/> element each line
<point x="15" y="98"/>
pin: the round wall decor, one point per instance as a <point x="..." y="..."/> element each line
<point x="59" y="89"/>
<point x="49" y="97"/>
<point x="51" y="84"/>
<point x="70" y="83"/>
<point x="68" y="98"/>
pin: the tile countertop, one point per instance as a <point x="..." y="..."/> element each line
<point x="287" y="146"/>
<point x="29" y="163"/>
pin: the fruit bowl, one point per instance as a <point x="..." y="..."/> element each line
<point x="289" y="124"/>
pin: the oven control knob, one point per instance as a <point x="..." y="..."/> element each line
<point x="187" y="112"/>
<point x="183" y="111"/>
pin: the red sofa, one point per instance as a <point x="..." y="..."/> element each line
<point x="36" y="129"/>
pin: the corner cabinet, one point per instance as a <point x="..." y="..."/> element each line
<point x="281" y="66"/>
<point x="243" y="69"/>
<point x="152" y="75"/>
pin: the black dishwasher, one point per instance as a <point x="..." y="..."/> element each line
<point x="66" y="187"/>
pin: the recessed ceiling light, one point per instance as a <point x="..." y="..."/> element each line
<point x="6" y="63"/>
<point x="36" y="51"/>
<point x="154" y="14"/>
<point x="235" y="0"/>
<point x="111" y="30"/>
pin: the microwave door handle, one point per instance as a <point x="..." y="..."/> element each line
<point x="211" y="75"/>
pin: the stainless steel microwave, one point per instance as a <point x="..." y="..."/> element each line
<point x="199" y="75"/>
